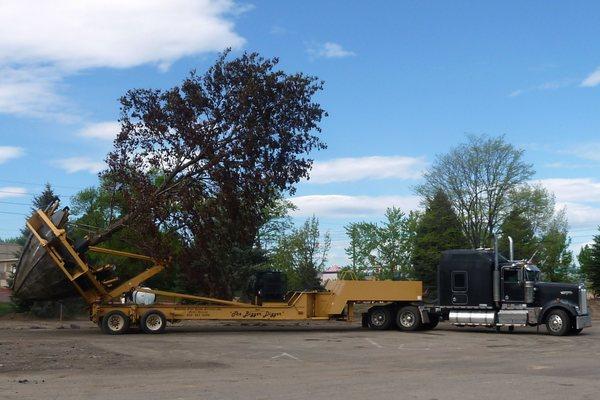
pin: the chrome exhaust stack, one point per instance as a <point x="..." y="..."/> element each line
<point x="496" y="276"/>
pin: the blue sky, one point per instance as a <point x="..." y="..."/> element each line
<point x="404" y="82"/>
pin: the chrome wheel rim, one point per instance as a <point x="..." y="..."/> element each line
<point x="377" y="318"/>
<point x="407" y="319"/>
<point x="555" y="322"/>
<point x="154" y="322"/>
<point x="116" y="322"/>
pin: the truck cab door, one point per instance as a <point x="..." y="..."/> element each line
<point x="512" y="285"/>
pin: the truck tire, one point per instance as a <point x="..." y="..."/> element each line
<point x="558" y="322"/>
<point x="408" y="318"/>
<point x="153" y="322"/>
<point x="380" y="318"/>
<point x="115" y="323"/>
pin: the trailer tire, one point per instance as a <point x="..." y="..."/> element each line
<point x="408" y="318"/>
<point x="153" y="322"/>
<point x="115" y="323"/>
<point x="558" y="322"/>
<point x="380" y="318"/>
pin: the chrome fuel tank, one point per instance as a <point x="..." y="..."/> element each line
<point x="472" y="317"/>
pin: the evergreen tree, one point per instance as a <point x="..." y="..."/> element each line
<point x="44" y="199"/>
<point x="438" y="229"/>
<point x="589" y="260"/>
<point x="40" y="201"/>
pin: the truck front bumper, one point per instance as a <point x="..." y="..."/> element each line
<point x="583" y="321"/>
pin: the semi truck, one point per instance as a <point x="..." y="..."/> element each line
<point x="483" y="288"/>
<point x="475" y="288"/>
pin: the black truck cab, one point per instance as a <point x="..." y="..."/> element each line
<point x="483" y="288"/>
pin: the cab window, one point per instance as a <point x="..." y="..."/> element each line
<point x="511" y="276"/>
<point x="459" y="281"/>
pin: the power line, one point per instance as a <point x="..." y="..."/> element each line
<point x="40" y="184"/>
<point x="15" y="203"/>
<point x="13" y="213"/>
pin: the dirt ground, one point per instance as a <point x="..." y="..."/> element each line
<point x="333" y="360"/>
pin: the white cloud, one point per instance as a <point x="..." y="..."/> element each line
<point x="580" y="197"/>
<point x="77" y="164"/>
<point x="592" y="79"/>
<point x="588" y="151"/>
<point x="330" y="50"/>
<point x="101" y="130"/>
<point x="12" y="191"/>
<point x="41" y="42"/>
<point x="581" y="215"/>
<point x="8" y="153"/>
<point x="342" y="206"/>
<point x="32" y="91"/>
<point x="374" y="167"/>
<point x="573" y="189"/>
<point x="552" y="85"/>
<point x="111" y="33"/>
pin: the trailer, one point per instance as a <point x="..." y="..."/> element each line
<point x="117" y="305"/>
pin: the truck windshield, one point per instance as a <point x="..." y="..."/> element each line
<point x="532" y="275"/>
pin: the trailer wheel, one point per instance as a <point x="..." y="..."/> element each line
<point x="115" y="323"/>
<point x="408" y="318"/>
<point x="380" y="318"/>
<point x="153" y="321"/>
<point x="558" y="323"/>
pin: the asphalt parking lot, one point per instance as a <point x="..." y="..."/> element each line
<point x="329" y="360"/>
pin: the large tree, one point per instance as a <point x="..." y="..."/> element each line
<point x="203" y="161"/>
<point x="478" y="176"/>
<point x="438" y="230"/>
<point x="384" y="249"/>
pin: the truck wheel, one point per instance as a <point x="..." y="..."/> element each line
<point x="153" y="321"/>
<point x="558" y="323"/>
<point x="380" y="318"/>
<point x="408" y="318"/>
<point x="115" y="323"/>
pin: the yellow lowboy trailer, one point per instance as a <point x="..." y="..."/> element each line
<point x="115" y="308"/>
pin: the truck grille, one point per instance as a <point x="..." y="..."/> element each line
<point x="583" y="308"/>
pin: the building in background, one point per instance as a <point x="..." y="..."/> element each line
<point x="331" y="273"/>
<point x="8" y="257"/>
